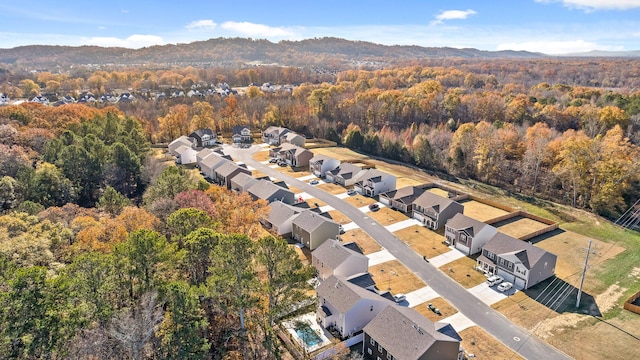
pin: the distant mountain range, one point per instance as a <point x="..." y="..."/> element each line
<point x="336" y="52"/>
<point x="600" y="53"/>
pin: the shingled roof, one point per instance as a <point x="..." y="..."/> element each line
<point x="461" y="222"/>
<point x="333" y="253"/>
<point x="514" y="250"/>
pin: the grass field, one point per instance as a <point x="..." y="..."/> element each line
<point x="480" y="211"/>
<point x="333" y="189"/>
<point x="386" y="216"/>
<point x="439" y="192"/>
<point x="339" y="217"/>
<point x="295" y="172"/>
<point x="396" y="277"/>
<point x="359" y="200"/>
<point x="261" y="155"/>
<point x="484" y="346"/>
<point x="463" y="272"/>
<point x="364" y="241"/>
<point x="441" y="304"/>
<point x="519" y="226"/>
<point x="422" y="240"/>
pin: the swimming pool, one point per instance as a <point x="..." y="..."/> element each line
<point x="306" y="334"/>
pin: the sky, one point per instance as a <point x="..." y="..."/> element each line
<point x="546" y="26"/>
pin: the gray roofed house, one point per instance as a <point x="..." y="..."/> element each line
<point x="280" y="218"/>
<point x="346" y="174"/>
<point x="433" y="210"/>
<point x="242" y="182"/>
<point x="227" y="171"/>
<point x="373" y="182"/>
<point x="468" y="235"/>
<point x="293" y="138"/>
<point x="312" y="229"/>
<point x="240" y="134"/>
<point x="204" y="137"/>
<point x="347" y="307"/>
<point x="516" y="261"/>
<point x="185" y="154"/>
<point x="319" y="165"/>
<point x="210" y="163"/>
<point x="267" y="190"/>
<point x="280" y="152"/>
<point x="399" y="332"/>
<point x="334" y="258"/>
<point x="294" y="155"/>
<point x="200" y="155"/>
<point x="272" y="135"/>
<point x="175" y="144"/>
<point x="402" y="199"/>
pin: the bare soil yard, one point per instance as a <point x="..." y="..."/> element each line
<point x="261" y="155"/>
<point x="386" y="216"/>
<point x="479" y="211"/>
<point x="519" y="226"/>
<point x="439" y="192"/>
<point x="439" y="303"/>
<point x="359" y="200"/>
<point x="422" y="240"/>
<point x="484" y="346"/>
<point x="463" y="272"/>
<point x="295" y="172"/>
<point x="333" y="189"/>
<point x="339" y="217"/>
<point x="364" y="241"/>
<point x="395" y="276"/>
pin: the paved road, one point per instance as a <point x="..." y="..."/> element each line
<point x="493" y="322"/>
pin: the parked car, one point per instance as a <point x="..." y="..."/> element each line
<point x="341" y="229"/>
<point x="273" y="160"/>
<point x="282" y="163"/>
<point x="351" y="192"/>
<point x="399" y="298"/>
<point x="374" y="207"/>
<point x="505" y="286"/>
<point x="494" y="280"/>
<point x="314" y="182"/>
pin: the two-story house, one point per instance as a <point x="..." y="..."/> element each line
<point x="185" y="155"/>
<point x="272" y="135"/>
<point x="373" y="182"/>
<point x="227" y="171"/>
<point x="296" y="156"/>
<point x="210" y="163"/>
<point x="241" y="135"/>
<point x="293" y="138"/>
<point x="175" y="144"/>
<point x="280" y="218"/>
<point x="312" y="229"/>
<point x="516" y="261"/>
<point x="269" y="191"/>
<point x="402" y="199"/>
<point x="433" y="210"/>
<point x="346" y="174"/>
<point x="204" y="137"/>
<point x="401" y="333"/>
<point x="319" y="165"/>
<point x="466" y="234"/>
<point x="335" y="258"/>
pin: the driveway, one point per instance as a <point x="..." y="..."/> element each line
<point x="493" y="322"/>
<point x="490" y="295"/>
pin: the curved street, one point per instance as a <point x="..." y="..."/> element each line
<point x="493" y="322"/>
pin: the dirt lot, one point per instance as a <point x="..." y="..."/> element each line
<point x="386" y="216"/>
<point x="395" y="276"/>
<point x="311" y="203"/>
<point x="340" y="153"/>
<point x="339" y="217"/>
<point x="484" y="346"/>
<point x="364" y="241"/>
<point x="359" y="200"/>
<point x="295" y="172"/>
<point x="445" y="308"/>
<point x="261" y="155"/>
<point x="480" y="211"/>
<point x="422" y="240"/>
<point x="439" y="192"/>
<point x="519" y="226"/>
<point x="331" y="188"/>
<point x="571" y="250"/>
<point x="463" y="272"/>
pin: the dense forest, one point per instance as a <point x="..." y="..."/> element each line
<point x="107" y="252"/>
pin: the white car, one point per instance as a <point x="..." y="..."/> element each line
<point x="494" y="280"/>
<point x="399" y="298"/>
<point x="505" y="286"/>
<point x="314" y="182"/>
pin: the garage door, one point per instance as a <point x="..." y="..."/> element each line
<point x="506" y="276"/>
<point x="520" y="283"/>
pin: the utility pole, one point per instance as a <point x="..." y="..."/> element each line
<point x="584" y="271"/>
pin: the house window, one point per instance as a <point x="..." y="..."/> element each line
<point x="389" y="357"/>
<point x="369" y="351"/>
<point x="372" y="342"/>
<point x="379" y="349"/>
<point x="510" y="266"/>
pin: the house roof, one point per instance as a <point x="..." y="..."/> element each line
<point x="281" y="212"/>
<point x="429" y="200"/>
<point x="237" y="130"/>
<point x="211" y="160"/>
<point x="319" y="158"/>
<point x="309" y="220"/>
<point x="201" y="132"/>
<point x="286" y="147"/>
<point x="183" y="140"/>
<point x="343" y="295"/>
<point x="204" y="153"/>
<point x="514" y="250"/>
<point x="243" y="179"/>
<point x="346" y="170"/>
<point x="406" y="334"/>
<point x="291" y="135"/>
<point x="228" y="169"/>
<point x="461" y="222"/>
<point x="333" y="254"/>
<point x="263" y="189"/>
<point x="405" y="195"/>
<point x="183" y="149"/>
<point x="276" y="131"/>
<point x="373" y="175"/>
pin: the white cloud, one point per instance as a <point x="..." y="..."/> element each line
<point x="201" y="25"/>
<point x="556" y="47"/>
<point x="597" y="4"/>
<point x="102" y="28"/>
<point x="453" y="15"/>
<point x="256" y="30"/>
<point x="133" y="41"/>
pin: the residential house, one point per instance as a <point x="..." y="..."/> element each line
<point x="204" y="137"/>
<point x="200" y="155"/>
<point x="336" y="258"/>
<point x="298" y="156"/>
<point x="402" y="333"/>
<point x="4" y="99"/>
<point x="227" y="171"/>
<point x="293" y="138"/>
<point x="433" y="210"/>
<point x="40" y="99"/>
<point x="373" y="182"/>
<point x="320" y="164"/>
<point x="280" y="152"/>
<point x="347" y="307"/>
<point x="402" y="199"/>
<point x="516" y="261"/>
<point x="273" y="134"/>
<point x="241" y="135"/>
<point x="346" y="174"/>
<point x="182" y="140"/>
<point x="242" y="182"/>
<point x="468" y="235"/>
<point x="185" y="154"/>
<point x="210" y="163"/>
<point x="280" y="218"/>
<point x="312" y="229"/>
<point x="266" y="190"/>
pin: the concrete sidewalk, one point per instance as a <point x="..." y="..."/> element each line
<point x="446" y="258"/>
<point x="402" y="225"/>
<point x="380" y="257"/>
<point x="421" y="295"/>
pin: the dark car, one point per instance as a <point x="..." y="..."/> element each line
<point x="273" y="160"/>
<point x="374" y="207"/>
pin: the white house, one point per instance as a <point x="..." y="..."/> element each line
<point x="468" y="235"/>
<point x="373" y="182"/>
<point x="280" y="218"/>
<point x="335" y="258"/>
<point x="185" y="155"/>
<point x="320" y="164"/>
<point x="346" y="174"/>
<point x="182" y="140"/>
